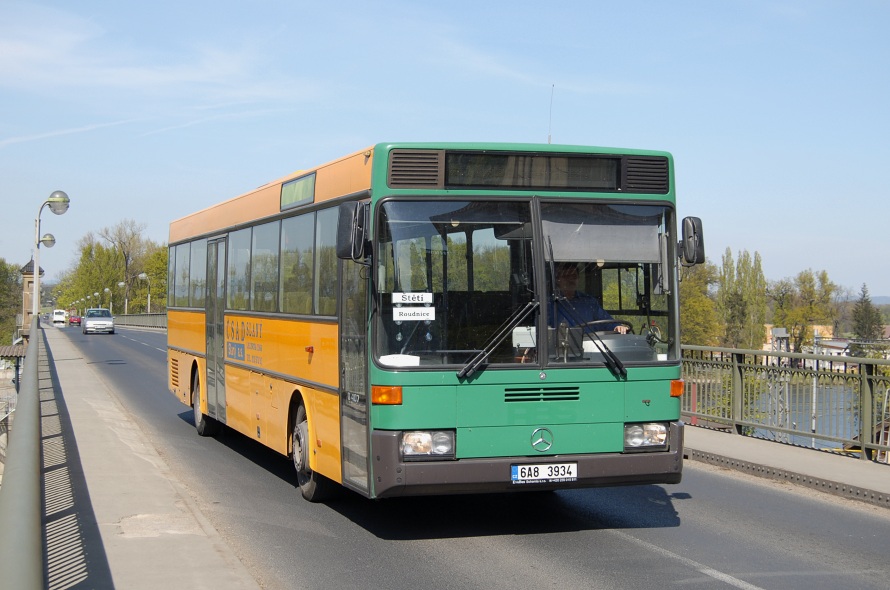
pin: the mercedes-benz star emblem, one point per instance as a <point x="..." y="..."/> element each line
<point x="542" y="440"/>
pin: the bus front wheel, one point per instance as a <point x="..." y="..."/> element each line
<point x="204" y="424"/>
<point x="313" y="486"/>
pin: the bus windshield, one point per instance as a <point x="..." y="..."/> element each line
<point x="454" y="276"/>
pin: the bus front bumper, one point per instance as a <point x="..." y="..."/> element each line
<point x="393" y="477"/>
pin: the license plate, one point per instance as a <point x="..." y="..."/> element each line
<point x="544" y="473"/>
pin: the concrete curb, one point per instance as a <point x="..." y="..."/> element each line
<point x="844" y="476"/>
<point x="823" y="485"/>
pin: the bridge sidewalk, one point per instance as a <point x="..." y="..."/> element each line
<point x="832" y="473"/>
<point x="115" y="516"/>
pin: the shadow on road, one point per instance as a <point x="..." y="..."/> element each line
<point x="522" y="513"/>
<point x="525" y="513"/>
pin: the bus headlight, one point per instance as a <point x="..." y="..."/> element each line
<point x="638" y="437"/>
<point x="427" y="444"/>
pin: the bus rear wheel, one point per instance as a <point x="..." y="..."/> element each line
<point x="314" y="487"/>
<point x="204" y="424"/>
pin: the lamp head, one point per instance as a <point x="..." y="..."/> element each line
<point x="48" y="240"/>
<point x="58" y="202"/>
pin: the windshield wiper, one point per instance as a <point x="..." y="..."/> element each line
<point x="506" y="328"/>
<point x="611" y="359"/>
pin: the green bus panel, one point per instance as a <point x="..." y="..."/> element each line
<point x="516" y="441"/>
<point x="650" y="401"/>
<point x="433" y="406"/>
<point x="438" y="400"/>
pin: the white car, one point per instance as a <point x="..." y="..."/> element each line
<point x="96" y="321"/>
<point x="59" y="317"/>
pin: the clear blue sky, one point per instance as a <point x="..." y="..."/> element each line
<point x="776" y="111"/>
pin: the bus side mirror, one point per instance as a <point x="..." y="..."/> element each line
<point x="692" y="243"/>
<point x="352" y="232"/>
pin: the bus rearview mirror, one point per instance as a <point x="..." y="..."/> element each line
<point x="692" y="243"/>
<point x="352" y="231"/>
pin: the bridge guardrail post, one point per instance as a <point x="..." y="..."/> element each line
<point x="866" y="409"/>
<point x="738" y="389"/>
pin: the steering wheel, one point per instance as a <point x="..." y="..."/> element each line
<point x="630" y="328"/>
<point x="654" y="332"/>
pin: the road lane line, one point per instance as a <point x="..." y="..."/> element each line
<point x="701" y="568"/>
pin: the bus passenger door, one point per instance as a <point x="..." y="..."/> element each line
<point x="354" y="407"/>
<point x="215" y="330"/>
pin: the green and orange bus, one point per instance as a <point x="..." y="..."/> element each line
<point x="423" y="318"/>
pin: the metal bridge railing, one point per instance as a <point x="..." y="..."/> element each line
<point x="819" y="401"/>
<point x="142" y="320"/>
<point x="21" y="497"/>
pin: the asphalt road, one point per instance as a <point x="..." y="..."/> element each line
<point x="716" y="529"/>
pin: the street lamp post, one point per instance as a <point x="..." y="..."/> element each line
<point x="110" y="300"/>
<point x="58" y="203"/>
<point x="144" y="277"/>
<point x="122" y="285"/>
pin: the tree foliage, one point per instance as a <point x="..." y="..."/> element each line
<point x="868" y="323"/>
<point x="10" y="300"/>
<point x="802" y="303"/>
<point x="116" y="255"/>
<point x="742" y="300"/>
<point x="699" y="320"/>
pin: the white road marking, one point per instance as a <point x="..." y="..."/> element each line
<point x="708" y="571"/>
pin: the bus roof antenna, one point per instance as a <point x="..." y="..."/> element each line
<point x="550" y="125"/>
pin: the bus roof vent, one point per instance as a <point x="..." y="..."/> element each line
<point x="646" y="174"/>
<point x="416" y="169"/>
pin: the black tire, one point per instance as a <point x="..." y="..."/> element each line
<point x="204" y="424"/>
<point x="313" y="486"/>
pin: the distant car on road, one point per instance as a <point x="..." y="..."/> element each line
<point x="59" y="317"/>
<point x="74" y="320"/>
<point x="97" y="320"/>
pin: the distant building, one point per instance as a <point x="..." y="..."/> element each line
<point x="27" y="271"/>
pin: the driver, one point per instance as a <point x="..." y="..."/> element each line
<point x="580" y="305"/>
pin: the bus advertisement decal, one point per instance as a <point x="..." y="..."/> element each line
<point x="235" y="351"/>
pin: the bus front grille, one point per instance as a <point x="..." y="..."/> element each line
<point x="541" y="394"/>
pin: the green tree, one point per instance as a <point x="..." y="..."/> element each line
<point x="125" y="238"/>
<point x="98" y="267"/>
<point x="803" y="302"/>
<point x="118" y="255"/>
<point x="742" y="300"/>
<point x="753" y="283"/>
<point x="699" y="320"/>
<point x="10" y="300"/>
<point x="868" y="324"/>
<point x="154" y="265"/>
